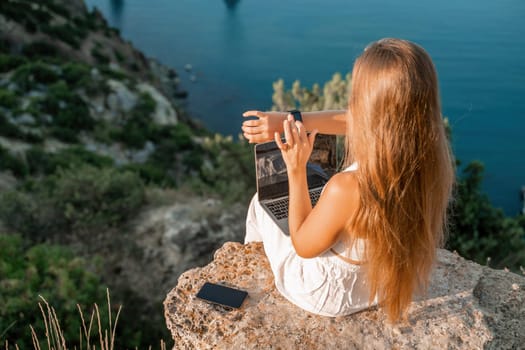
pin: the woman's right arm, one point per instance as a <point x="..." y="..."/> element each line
<point x="267" y="123"/>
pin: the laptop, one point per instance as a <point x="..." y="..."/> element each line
<point x="272" y="179"/>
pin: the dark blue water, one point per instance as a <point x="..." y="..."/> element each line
<point x="238" y="48"/>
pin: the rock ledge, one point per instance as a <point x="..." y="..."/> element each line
<point x="468" y="306"/>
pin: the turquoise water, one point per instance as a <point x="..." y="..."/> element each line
<point x="238" y="48"/>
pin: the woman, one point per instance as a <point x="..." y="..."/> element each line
<point x="373" y="234"/>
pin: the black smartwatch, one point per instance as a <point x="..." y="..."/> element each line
<point x="296" y="115"/>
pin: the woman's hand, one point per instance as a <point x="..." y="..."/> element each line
<point x="298" y="147"/>
<point x="263" y="128"/>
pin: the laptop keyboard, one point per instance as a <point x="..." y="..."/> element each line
<point x="279" y="207"/>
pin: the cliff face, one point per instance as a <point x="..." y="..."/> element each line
<point x="468" y="306"/>
<point x="68" y="30"/>
<point x="67" y="78"/>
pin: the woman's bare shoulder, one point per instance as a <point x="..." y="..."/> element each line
<point x="343" y="188"/>
<point x="344" y="183"/>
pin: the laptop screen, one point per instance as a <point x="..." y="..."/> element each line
<point x="272" y="179"/>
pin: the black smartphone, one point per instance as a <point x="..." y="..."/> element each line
<point x="222" y="295"/>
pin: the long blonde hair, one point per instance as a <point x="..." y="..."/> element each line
<point x="405" y="177"/>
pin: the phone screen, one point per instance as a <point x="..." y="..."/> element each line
<point x="219" y="294"/>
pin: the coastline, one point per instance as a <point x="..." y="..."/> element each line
<point x="236" y="60"/>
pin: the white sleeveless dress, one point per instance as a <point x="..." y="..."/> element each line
<point x="325" y="285"/>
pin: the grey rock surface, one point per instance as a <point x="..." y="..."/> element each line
<point x="467" y="306"/>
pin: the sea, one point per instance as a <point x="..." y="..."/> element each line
<point x="229" y="52"/>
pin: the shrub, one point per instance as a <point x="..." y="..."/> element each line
<point x="145" y="106"/>
<point x="64" y="134"/>
<point x="83" y="199"/>
<point x="333" y="96"/>
<point x="66" y="33"/>
<point x="151" y="173"/>
<point x="39" y="161"/>
<point x="99" y="56"/>
<point x="134" y="133"/>
<point x="139" y="127"/>
<point x="10" y="130"/>
<point x="43" y="163"/>
<point x="92" y="20"/>
<point x="176" y="155"/>
<point x="134" y="67"/>
<point x="228" y="169"/>
<point x="194" y="159"/>
<point x="182" y="135"/>
<point x="9" y="62"/>
<point x="51" y="271"/>
<point x="5" y="46"/>
<point x="12" y="163"/>
<point x="27" y="75"/>
<point x="30" y="214"/>
<point x="8" y="99"/>
<point x="110" y="31"/>
<point x="38" y="49"/>
<point x="104" y="132"/>
<point x="30" y="24"/>
<point x="58" y="9"/>
<point x="69" y="111"/>
<point x="7" y="128"/>
<point x="76" y="156"/>
<point x="40" y="15"/>
<point x="480" y="231"/>
<point x="114" y="74"/>
<point x="22" y="12"/>
<point x="67" y="282"/>
<point x="119" y="56"/>
<point x="86" y="23"/>
<point x="172" y="140"/>
<point x="112" y="198"/>
<point x="76" y="74"/>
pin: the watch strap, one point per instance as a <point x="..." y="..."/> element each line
<point x="296" y="115"/>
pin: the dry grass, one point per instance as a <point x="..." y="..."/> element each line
<point x="54" y="336"/>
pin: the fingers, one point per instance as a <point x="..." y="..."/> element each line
<point x="311" y="137"/>
<point x="254" y="129"/>
<point x="301" y="132"/>
<point x="295" y="132"/>
<point x="294" y="129"/>
<point x="279" y="143"/>
<point x="260" y="129"/>
<point x="254" y="134"/>
<point x="257" y="114"/>
<point x="255" y="138"/>
<point x="251" y="122"/>
<point x="288" y="131"/>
